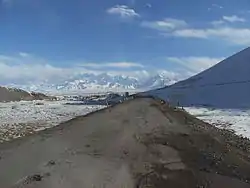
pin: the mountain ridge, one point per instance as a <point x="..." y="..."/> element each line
<point x="14" y="94"/>
<point x="225" y="85"/>
<point x="101" y="82"/>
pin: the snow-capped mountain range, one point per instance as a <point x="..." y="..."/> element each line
<point x="101" y="82"/>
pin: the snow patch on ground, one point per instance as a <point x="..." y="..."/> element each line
<point x="25" y="117"/>
<point x="232" y="119"/>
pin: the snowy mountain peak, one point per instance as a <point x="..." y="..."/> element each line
<point x="103" y="82"/>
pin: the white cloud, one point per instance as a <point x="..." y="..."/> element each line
<point x="113" y="65"/>
<point x="214" y="6"/>
<point x="189" y="33"/>
<point x="24" y="54"/>
<point x="217" y="6"/>
<point x="225" y="19"/>
<point x="33" y="69"/>
<point x="165" y="25"/>
<point x="195" y="64"/>
<point x="18" y="69"/>
<point x="239" y="36"/>
<point x="233" y="18"/>
<point x="123" y="11"/>
<point x="37" y="73"/>
<point x="180" y="28"/>
<point x="148" y="5"/>
<point x="7" y="58"/>
<point x="217" y="22"/>
<point x="34" y="72"/>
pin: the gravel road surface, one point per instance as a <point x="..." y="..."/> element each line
<point x="137" y="144"/>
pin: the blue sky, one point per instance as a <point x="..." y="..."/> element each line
<point x="43" y="38"/>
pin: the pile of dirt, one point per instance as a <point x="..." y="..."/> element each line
<point x="137" y="144"/>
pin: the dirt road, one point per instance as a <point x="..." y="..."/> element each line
<point x="140" y="143"/>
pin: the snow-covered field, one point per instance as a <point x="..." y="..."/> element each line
<point x="21" y="118"/>
<point x="232" y="119"/>
<point x="25" y="117"/>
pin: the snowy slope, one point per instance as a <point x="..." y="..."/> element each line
<point x="225" y="85"/>
<point x="24" y="117"/>
<point x="230" y="119"/>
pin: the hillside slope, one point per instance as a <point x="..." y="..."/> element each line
<point x="125" y="146"/>
<point x="225" y="85"/>
<point x="13" y="94"/>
